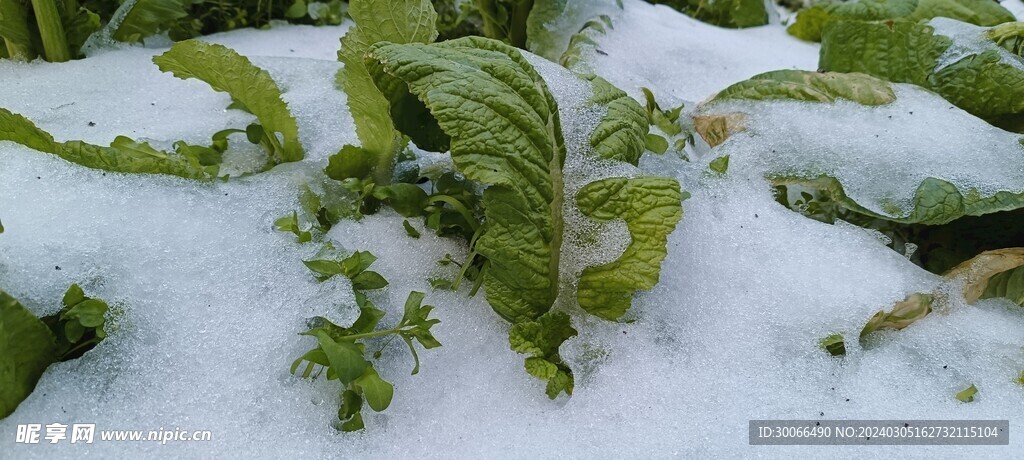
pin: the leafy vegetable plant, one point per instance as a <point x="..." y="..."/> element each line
<point x="123" y="155"/>
<point x="812" y="21"/>
<point x="982" y="81"/>
<point x="341" y="351"/>
<point x="249" y="86"/>
<point x="28" y="344"/>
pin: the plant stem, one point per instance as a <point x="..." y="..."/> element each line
<point x="51" y="30"/>
<point x="517" y="31"/>
<point x="368" y="335"/>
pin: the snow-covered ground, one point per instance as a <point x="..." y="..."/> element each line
<point x="209" y="299"/>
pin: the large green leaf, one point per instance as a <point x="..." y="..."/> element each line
<point x="986" y="80"/>
<point x="27" y="348"/>
<point x="723" y="13"/>
<point x="227" y="71"/>
<point x="149" y="17"/>
<point x="404" y="21"/>
<point x="505" y="133"/>
<point x="651" y="208"/>
<point x="803" y="85"/>
<point x="620" y="134"/>
<point x="811" y="22"/>
<point x="123" y="155"/>
<point x="904" y="52"/>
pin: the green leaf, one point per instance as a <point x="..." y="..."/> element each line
<point x="377" y="391"/>
<point x="409" y="200"/>
<point x="14" y="29"/>
<point x="541" y="339"/>
<point x="324" y="267"/>
<point x="967" y="395"/>
<point x="369" y="318"/>
<point x="78" y="26"/>
<point x="656" y="143"/>
<point x="409" y="229"/>
<point x="720" y="165"/>
<point x="935" y="201"/>
<point x="351" y="405"/>
<point x="585" y="38"/>
<point x="297" y="10"/>
<point x="350" y="161"/>
<point x="810" y="22"/>
<point x="1008" y="284"/>
<point x="550" y="24"/>
<point x="73" y="296"/>
<point x="345" y="357"/>
<point x="27" y="348"/>
<point x="803" y="85"/>
<point x="984" y="80"/>
<point x="401" y="21"/>
<point x="353" y="424"/>
<point x="622" y="133"/>
<point x="723" y="13"/>
<point x="651" y="207"/>
<point x="89" y="313"/>
<point x="368" y="280"/>
<point x="505" y="134"/>
<point x="834" y="345"/>
<point x="227" y="71"/>
<point x="149" y="17"/>
<point x="356" y="263"/>
<point x="254" y="133"/>
<point x="902" y="52"/>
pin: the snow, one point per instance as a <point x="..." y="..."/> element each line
<point x="683" y="59"/>
<point x="880" y="154"/>
<point x="209" y="300"/>
<point x="968" y="39"/>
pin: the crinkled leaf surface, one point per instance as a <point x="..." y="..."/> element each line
<point x="811" y="22"/>
<point x="803" y="85"/>
<point x="620" y="134"/>
<point x="723" y="13"/>
<point x="404" y="21"/>
<point x="505" y="133"/>
<point x="986" y="80"/>
<point x="541" y="339"/>
<point x="123" y="155"/>
<point x="27" y="347"/>
<point x="149" y="17"/>
<point x="903" y="314"/>
<point x="651" y="207"/>
<point x="227" y="71"/>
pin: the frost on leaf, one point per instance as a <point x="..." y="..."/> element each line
<point x="651" y="207"/>
<point x="541" y="339"/>
<point x="990" y="274"/>
<point x="970" y="66"/>
<point x="505" y="133"/>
